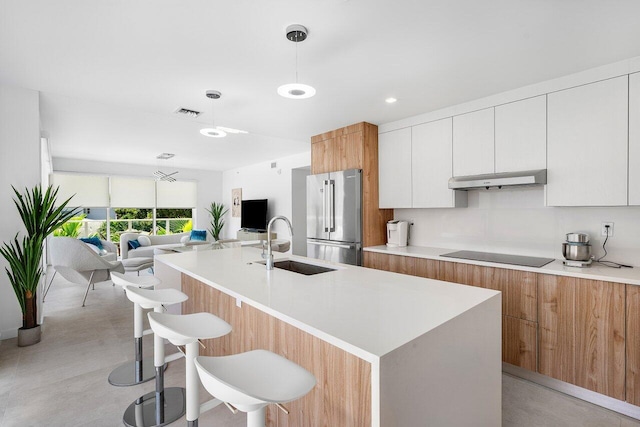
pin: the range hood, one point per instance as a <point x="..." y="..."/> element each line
<point x="499" y="180"/>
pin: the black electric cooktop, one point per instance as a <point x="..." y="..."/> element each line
<point x="527" y="261"/>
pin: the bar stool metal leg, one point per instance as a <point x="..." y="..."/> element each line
<point x="162" y="406"/>
<point x="141" y="369"/>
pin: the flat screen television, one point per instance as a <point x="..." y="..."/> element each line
<point x="254" y="214"/>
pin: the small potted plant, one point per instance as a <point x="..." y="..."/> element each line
<point x="41" y="217"/>
<point x="217" y="211"/>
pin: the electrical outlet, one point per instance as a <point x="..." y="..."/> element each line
<point x="607" y="229"/>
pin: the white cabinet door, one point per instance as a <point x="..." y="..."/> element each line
<point x="587" y="145"/>
<point x="473" y="143"/>
<point x="634" y="139"/>
<point x="394" y="166"/>
<point x="521" y="135"/>
<point x="431" y="166"/>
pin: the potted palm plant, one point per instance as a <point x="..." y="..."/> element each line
<point x="217" y="211"/>
<point x="40" y="217"/>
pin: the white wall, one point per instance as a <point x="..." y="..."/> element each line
<point x="209" y="182"/>
<point x="516" y="221"/>
<point x="20" y="167"/>
<point x="260" y="181"/>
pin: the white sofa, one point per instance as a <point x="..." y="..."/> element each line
<point x="166" y="241"/>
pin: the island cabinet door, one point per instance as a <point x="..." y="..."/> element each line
<point x="582" y="333"/>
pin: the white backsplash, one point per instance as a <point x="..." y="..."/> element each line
<point x="516" y="221"/>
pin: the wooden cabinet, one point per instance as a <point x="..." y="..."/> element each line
<point x="394" y="160"/>
<point x="355" y="147"/>
<point x="633" y="345"/>
<point x="473" y="143"/>
<point x="519" y="342"/>
<point x="521" y="135"/>
<point x="431" y="166"/>
<point x="634" y="139"/>
<point x="394" y="263"/>
<point x="427" y="268"/>
<point x="587" y="145"/>
<point x="582" y="333"/>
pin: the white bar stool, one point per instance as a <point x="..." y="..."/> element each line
<point x="188" y="330"/>
<point x="141" y="369"/>
<point x="162" y="406"/>
<point x="249" y="381"/>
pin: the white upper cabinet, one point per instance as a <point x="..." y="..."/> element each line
<point x="473" y="143"/>
<point x="394" y="166"/>
<point x="634" y="139"/>
<point x="431" y="167"/>
<point x="521" y="135"/>
<point x="587" y="145"/>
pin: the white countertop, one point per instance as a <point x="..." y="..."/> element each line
<point x="593" y="272"/>
<point x="363" y="311"/>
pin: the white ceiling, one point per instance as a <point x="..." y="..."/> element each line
<point x="111" y="73"/>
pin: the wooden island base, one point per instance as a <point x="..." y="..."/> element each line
<point x="342" y="395"/>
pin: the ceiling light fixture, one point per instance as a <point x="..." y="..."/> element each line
<point x="213" y="132"/>
<point x="390" y="100"/>
<point x="296" y="33"/>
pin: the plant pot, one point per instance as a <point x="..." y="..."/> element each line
<point x="31" y="336"/>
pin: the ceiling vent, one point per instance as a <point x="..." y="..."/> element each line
<point x="187" y="112"/>
<point x="165" y="156"/>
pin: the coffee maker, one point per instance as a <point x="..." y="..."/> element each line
<point x="397" y="233"/>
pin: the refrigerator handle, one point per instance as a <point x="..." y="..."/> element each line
<point x="332" y="213"/>
<point x="324" y="205"/>
<point x="333" y="245"/>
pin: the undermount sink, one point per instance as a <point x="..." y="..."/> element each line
<point x="300" y="267"/>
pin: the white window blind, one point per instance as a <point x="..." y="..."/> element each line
<point x="179" y="194"/>
<point x="87" y="190"/>
<point x="132" y="192"/>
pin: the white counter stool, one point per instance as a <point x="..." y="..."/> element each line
<point x="188" y="330"/>
<point x="162" y="406"/>
<point x="141" y="369"/>
<point x="249" y="381"/>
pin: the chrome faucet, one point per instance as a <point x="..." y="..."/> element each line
<point x="269" y="262"/>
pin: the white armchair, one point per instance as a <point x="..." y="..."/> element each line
<point x="78" y="263"/>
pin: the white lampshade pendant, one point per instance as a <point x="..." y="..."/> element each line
<point x="296" y="33"/>
<point x="213" y="132"/>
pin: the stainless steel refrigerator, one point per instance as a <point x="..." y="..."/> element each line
<point x="334" y="216"/>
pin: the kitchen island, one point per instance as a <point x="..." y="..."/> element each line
<point x="386" y="349"/>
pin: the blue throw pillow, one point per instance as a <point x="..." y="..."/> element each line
<point x="133" y="244"/>
<point x="200" y="235"/>
<point x="93" y="241"/>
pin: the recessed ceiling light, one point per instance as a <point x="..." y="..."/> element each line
<point x="390" y="100"/>
<point x="213" y="133"/>
<point x="296" y="91"/>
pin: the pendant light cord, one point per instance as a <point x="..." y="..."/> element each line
<point x="296" y="61"/>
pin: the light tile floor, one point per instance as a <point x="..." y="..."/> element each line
<point x="62" y="381"/>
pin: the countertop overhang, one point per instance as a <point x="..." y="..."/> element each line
<point x="366" y="312"/>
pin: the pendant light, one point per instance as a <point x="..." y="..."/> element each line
<point x="296" y="33"/>
<point x="213" y="132"/>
